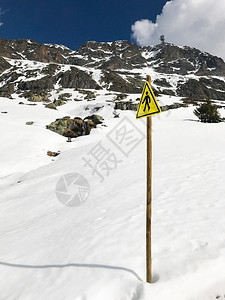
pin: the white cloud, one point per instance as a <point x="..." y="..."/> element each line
<point x="195" y="23"/>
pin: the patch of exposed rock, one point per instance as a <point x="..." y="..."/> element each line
<point x="113" y="82"/>
<point x="73" y="128"/>
<point x="7" y="90"/>
<point x="36" y="86"/>
<point x="126" y="105"/>
<point x="4" y="65"/>
<point x="18" y="49"/>
<point x="75" y="78"/>
<point x="202" y="89"/>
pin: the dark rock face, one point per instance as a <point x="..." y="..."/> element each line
<point x="45" y="83"/>
<point x="32" y="51"/>
<point x="4" y="65"/>
<point x="75" y="78"/>
<point x="9" y="87"/>
<point x="112" y="56"/>
<point x="7" y="90"/>
<point x="201" y="89"/>
<point x="162" y="83"/>
<point x="50" y="69"/>
<point x="115" y="63"/>
<point x="164" y="87"/>
<point x="167" y="92"/>
<point x="114" y="82"/>
<point x="214" y="84"/>
<point x="211" y="65"/>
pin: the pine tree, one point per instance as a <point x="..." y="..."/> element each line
<point x="208" y="113"/>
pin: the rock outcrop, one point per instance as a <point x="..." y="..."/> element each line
<point x="202" y="89"/>
<point x="4" y="65"/>
<point x="75" y="78"/>
<point x="72" y="128"/>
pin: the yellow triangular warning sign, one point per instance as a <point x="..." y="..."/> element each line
<point x="148" y="105"/>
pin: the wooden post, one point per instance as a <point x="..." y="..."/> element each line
<point x="149" y="197"/>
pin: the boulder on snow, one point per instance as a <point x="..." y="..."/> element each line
<point x="65" y="97"/>
<point x="96" y="119"/>
<point x="126" y="105"/>
<point x="38" y="96"/>
<point x="51" y="105"/>
<point x="59" y="102"/>
<point x="73" y="128"/>
<point x="51" y="153"/>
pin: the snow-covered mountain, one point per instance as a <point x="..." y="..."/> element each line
<point x="118" y="66"/>
<point x="72" y="217"/>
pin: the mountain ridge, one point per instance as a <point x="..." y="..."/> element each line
<point x="119" y="66"/>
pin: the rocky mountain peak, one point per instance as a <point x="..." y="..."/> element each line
<point x="111" y="55"/>
<point x="171" y="59"/>
<point x="26" y="65"/>
<point x="31" y="50"/>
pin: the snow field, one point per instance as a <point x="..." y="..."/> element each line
<point x="97" y="250"/>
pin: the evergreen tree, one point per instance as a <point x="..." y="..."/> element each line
<point x="208" y="113"/>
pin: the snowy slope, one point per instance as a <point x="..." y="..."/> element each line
<point x="97" y="250"/>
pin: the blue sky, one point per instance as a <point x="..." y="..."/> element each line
<point x="72" y="22"/>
